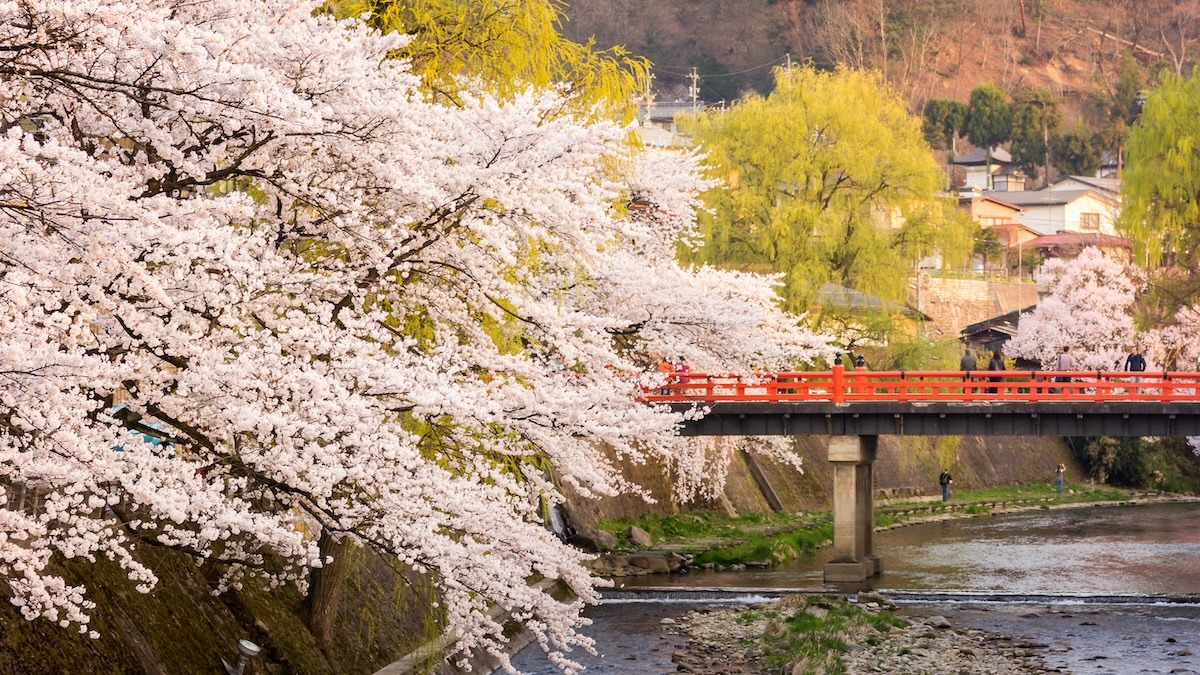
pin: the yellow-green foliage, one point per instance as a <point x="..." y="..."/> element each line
<point x="510" y="45"/>
<point x="1161" y="183"/>
<point x="930" y="454"/>
<point x="826" y="179"/>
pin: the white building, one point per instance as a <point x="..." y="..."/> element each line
<point x="1079" y="209"/>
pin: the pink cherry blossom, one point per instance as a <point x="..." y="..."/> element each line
<point x="234" y="226"/>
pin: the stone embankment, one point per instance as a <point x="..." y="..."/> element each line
<point x="725" y="641"/>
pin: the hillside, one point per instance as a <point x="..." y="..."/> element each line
<point x="927" y="48"/>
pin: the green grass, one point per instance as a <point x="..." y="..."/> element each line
<point x="1030" y="492"/>
<point x="683" y="530"/>
<point x="778" y="537"/>
<point x="774" y="549"/>
<point x="820" y="637"/>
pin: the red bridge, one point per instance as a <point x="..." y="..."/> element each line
<point x="849" y="386"/>
<point x="855" y="407"/>
<point x="861" y="402"/>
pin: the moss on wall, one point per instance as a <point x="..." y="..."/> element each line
<point x="180" y="627"/>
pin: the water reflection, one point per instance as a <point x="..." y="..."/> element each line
<point x="1138" y="551"/>
<point x="1151" y="549"/>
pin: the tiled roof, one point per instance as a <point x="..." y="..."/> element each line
<point x="1079" y="239"/>
<point x="1027" y="198"/>
<point x="978" y="156"/>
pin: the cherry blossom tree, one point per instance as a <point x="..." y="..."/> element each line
<point x="1087" y="306"/>
<point x="252" y="278"/>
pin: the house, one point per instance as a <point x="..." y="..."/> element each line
<point x="989" y="334"/>
<point x="976" y="167"/>
<point x="1014" y="235"/>
<point x="1009" y="179"/>
<point x="1069" y="245"/>
<point x="862" y="319"/>
<point x="988" y="211"/>
<point x="1110" y="165"/>
<point x="656" y="121"/>
<point x="839" y="297"/>
<point x="1110" y="186"/>
<point x="1066" y="209"/>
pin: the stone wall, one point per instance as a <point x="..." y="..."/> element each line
<point x="953" y="304"/>
<point x="906" y="465"/>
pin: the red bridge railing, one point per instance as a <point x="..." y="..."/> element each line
<point x="849" y="386"/>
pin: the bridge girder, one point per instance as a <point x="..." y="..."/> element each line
<point x="1128" y="419"/>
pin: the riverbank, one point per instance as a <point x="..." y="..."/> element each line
<point x="932" y="640"/>
<point x="709" y="541"/>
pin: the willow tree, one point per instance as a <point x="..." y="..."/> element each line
<point x="1160" y="190"/>
<point x="506" y="46"/>
<point x="826" y="179"/>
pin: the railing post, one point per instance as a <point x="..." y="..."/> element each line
<point x="839" y="383"/>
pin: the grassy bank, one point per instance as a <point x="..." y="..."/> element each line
<point x="774" y="538"/>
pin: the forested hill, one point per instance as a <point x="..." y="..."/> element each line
<point x="927" y="48"/>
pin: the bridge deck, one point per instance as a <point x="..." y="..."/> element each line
<point x="1004" y="403"/>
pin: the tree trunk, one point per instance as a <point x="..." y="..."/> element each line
<point x="325" y="589"/>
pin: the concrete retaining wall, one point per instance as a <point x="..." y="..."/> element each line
<point x="906" y="465"/>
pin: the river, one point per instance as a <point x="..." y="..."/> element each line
<point x="1108" y="589"/>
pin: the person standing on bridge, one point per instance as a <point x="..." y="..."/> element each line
<point x="965" y="364"/>
<point x="997" y="363"/>
<point x="1064" y="362"/>
<point x="1135" y="362"/>
<point x="1060" y="475"/>
<point x="945" y="480"/>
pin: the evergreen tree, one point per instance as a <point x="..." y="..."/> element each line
<point x="1035" y="118"/>
<point x="943" y="122"/>
<point x="1077" y="152"/>
<point x="989" y="119"/>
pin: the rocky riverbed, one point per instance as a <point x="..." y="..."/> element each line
<point x="727" y="641"/>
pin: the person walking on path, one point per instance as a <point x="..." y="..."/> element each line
<point x="1060" y="475"/>
<point x="945" y="480"/>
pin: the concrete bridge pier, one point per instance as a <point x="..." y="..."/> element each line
<point x="853" y="459"/>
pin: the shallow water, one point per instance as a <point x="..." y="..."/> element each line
<point x="1107" y="588"/>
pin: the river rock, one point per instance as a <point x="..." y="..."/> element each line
<point x="938" y="622"/>
<point x="652" y="564"/>
<point x="639" y="537"/>
<point x="595" y="541"/>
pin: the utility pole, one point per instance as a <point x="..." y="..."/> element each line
<point x="694" y="90"/>
<point x="648" y="95"/>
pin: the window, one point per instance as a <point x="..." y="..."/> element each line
<point x="1089" y="222"/>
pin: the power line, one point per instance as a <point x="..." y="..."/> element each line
<point x="773" y="62"/>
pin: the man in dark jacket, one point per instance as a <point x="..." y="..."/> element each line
<point x="945" y="480"/>
<point x="1135" y="362"/>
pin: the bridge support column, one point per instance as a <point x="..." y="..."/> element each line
<point x="853" y="459"/>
